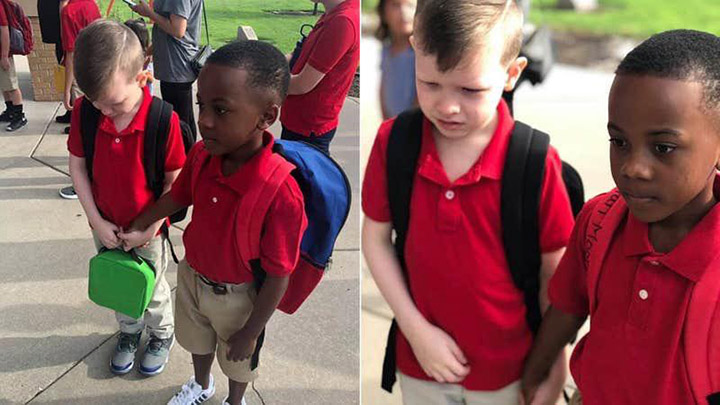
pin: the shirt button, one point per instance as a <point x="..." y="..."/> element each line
<point x="655" y="262"/>
<point x="643" y="294"/>
<point x="117" y="140"/>
<point x="449" y="194"/>
<point x="214" y="199"/>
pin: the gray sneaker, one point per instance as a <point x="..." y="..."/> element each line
<point x="156" y="355"/>
<point x="124" y="358"/>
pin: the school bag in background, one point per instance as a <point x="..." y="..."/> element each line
<point x="701" y="330"/>
<point x="520" y="201"/>
<point x="121" y="281"/>
<point x="21" y="34"/>
<point x="327" y="195"/>
<point x="157" y="129"/>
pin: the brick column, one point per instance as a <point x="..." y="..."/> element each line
<point x="43" y="63"/>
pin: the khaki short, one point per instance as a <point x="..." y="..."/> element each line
<point x="421" y="392"/>
<point x="8" y="78"/>
<point x="204" y="321"/>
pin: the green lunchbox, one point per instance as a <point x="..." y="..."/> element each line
<point x="121" y="281"/>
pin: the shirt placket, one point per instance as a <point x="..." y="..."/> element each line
<point x="643" y="292"/>
<point x="448" y="203"/>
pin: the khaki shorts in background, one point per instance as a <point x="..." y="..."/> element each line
<point x="8" y="78"/>
<point x="204" y="321"/>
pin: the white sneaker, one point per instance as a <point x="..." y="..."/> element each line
<point x="192" y="393"/>
<point x="225" y="401"/>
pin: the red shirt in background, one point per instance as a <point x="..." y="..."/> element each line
<point x="333" y="48"/>
<point x="75" y="16"/>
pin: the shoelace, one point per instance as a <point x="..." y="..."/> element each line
<point x="154" y="345"/>
<point x="128" y="343"/>
<point x="187" y="392"/>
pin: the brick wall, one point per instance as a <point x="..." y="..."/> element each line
<point x="42" y="67"/>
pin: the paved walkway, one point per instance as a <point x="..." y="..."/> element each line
<point x="56" y="344"/>
<point x="571" y="106"/>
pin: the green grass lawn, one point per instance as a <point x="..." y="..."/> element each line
<point x="224" y="17"/>
<point x="636" y="18"/>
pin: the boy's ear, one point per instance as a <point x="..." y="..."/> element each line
<point x="412" y="42"/>
<point x="514" y="70"/>
<point x="143" y="78"/>
<point x="269" y="116"/>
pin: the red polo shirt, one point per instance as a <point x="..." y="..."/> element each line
<point x="333" y="48"/>
<point x="75" y="16"/>
<point x="634" y="353"/>
<point x="3" y="14"/>
<point x="119" y="185"/>
<point x="210" y="238"/>
<point x="458" y="274"/>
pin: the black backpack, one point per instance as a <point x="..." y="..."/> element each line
<point x="520" y="201"/>
<point x="156" y="134"/>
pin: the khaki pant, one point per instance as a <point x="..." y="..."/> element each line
<point x="158" y="316"/>
<point x="8" y="78"/>
<point x="420" y="392"/>
<point x="205" y="320"/>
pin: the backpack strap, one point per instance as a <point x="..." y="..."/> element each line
<point x="403" y="151"/>
<point x="701" y="334"/>
<point x="605" y="219"/>
<point x="157" y="127"/>
<point x="89" y="120"/>
<point x="257" y="201"/>
<point x="519" y="204"/>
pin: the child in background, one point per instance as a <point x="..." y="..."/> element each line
<point x="397" y="84"/>
<point x="139" y="27"/>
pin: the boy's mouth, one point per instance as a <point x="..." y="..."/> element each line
<point x="449" y="124"/>
<point x="636" y="197"/>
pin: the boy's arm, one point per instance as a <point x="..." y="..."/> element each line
<point x="437" y="352"/>
<point x="4" y="47"/>
<point x="106" y="231"/>
<point x="147" y="224"/>
<point x="241" y="344"/>
<point x="556" y="331"/>
<point x="69" y="78"/>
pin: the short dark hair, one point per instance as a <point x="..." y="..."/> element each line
<point x="103" y="48"/>
<point x="139" y="27"/>
<point x="685" y="55"/>
<point x="265" y="65"/>
<point x="383" y="31"/>
<point x="449" y="28"/>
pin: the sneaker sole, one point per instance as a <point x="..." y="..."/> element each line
<point x="160" y="368"/>
<point x="68" y="197"/>
<point x="121" y="371"/>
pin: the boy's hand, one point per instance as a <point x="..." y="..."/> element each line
<point x="241" y="346"/>
<point x="548" y="391"/>
<point x="132" y="238"/>
<point x="107" y="233"/>
<point x="5" y="64"/>
<point x="439" y="355"/>
<point x="67" y="100"/>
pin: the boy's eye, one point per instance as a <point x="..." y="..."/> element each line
<point x="664" y="149"/>
<point x="220" y="110"/>
<point x="431" y="85"/>
<point x="618" y="142"/>
<point x="471" y="91"/>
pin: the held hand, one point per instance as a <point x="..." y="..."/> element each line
<point x="67" y="100"/>
<point x="132" y="238"/>
<point x="142" y="8"/>
<point x="439" y="355"/>
<point x="5" y="64"/>
<point x="548" y="392"/>
<point x="240" y="346"/>
<point x="107" y="233"/>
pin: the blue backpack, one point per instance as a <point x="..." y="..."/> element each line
<point x="327" y="195"/>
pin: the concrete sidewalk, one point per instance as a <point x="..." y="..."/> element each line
<point x="55" y="344"/>
<point x="571" y="105"/>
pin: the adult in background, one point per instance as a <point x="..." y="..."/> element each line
<point x="322" y="75"/>
<point x="175" y="38"/>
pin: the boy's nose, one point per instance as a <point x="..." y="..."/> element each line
<point x="448" y="106"/>
<point x="637" y="167"/>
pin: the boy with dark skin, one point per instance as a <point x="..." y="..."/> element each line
<point x="236" y="108"/>
<point x="664" y="154"/>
